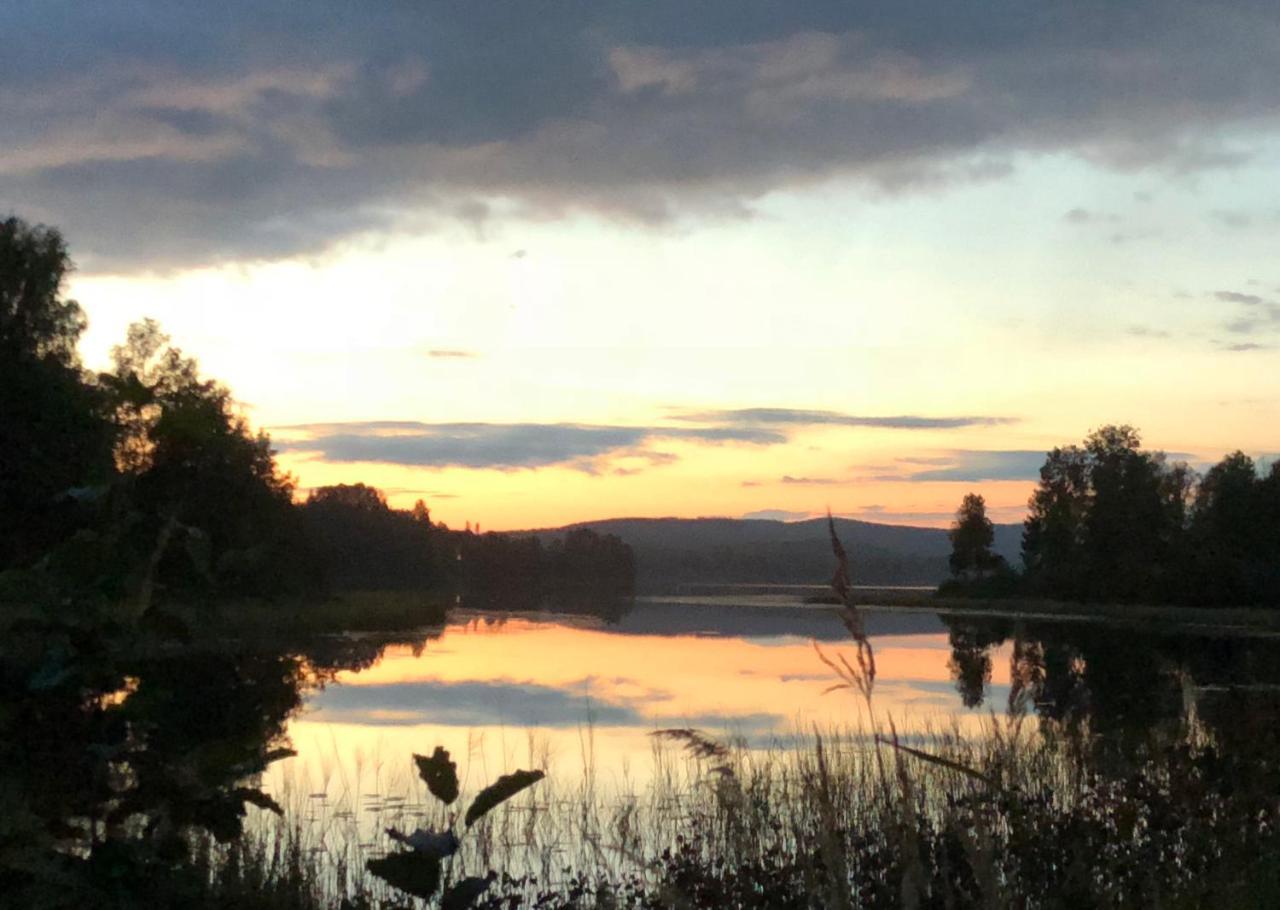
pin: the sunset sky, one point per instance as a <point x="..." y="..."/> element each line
<point x="546" y="262"/>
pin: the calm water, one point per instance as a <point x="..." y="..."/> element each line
<point x="570" y="692"/>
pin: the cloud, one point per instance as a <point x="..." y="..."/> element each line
<point x="775" y="417"/>
<point x="329" y="123"/>
<point x="809" y="481"/>
<point x="1146" y="331"/>
<point x="1086" y="216"/>
<point x="1237" y="297"/>
<point x="1232" y="219"/>
<point x="1262" y="316"/>
<point x="451" y="354"/>
<point x="505" y="447"/>
<point x="1246" y="346"/>
<point x="971" y="465"/>
<point x="479" y="703"/>
<point x="592" y="449"/>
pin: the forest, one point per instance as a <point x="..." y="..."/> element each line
<point x="1111" y="522"/>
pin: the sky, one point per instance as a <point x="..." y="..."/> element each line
<point x="538" y="263"/>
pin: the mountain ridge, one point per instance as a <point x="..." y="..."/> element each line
<point x="674" y="552"/>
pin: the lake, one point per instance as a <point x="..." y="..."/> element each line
<point x="581" y="697"/>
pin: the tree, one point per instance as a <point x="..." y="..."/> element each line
<point x="366" y="544"/>
<point x="54" y="433"/>
<point x="191" y="466"/>
<point x="36" y="321"/>
<point x="972" y="535"/>
<point x="1108" y="521"/>
<point x="1052" y="536"/>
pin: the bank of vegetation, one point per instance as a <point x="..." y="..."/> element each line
<point x="1111" y="522"/>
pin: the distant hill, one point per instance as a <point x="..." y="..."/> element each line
<point x="671" y="552"/>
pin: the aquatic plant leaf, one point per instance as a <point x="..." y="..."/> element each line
<point x="414" y="873"/>
<point x="464" y="893"/>
<point x="440" y="775"/>
<point x="440" y="845"/>
<point x="501" y="790"/>
<point x="259" y="799"/>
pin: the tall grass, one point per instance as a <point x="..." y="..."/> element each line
<point x="1011" y="818"/>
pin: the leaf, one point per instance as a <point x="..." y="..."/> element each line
<point x="440" y="775"/>
<point x="464" y="893"/>
<point x="414" y="873"/>
<point x="501" y="790"/>
<point x="438" y="845"/>
<point x="259" y="799"/>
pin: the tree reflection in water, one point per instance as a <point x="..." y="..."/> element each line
<point x="119" y="741"/>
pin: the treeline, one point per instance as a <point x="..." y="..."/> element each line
<point x="146" y="479"/>
<point x="1110" y="521"/>
<point x="580" y="572"/>
<point x="365" y="544"/>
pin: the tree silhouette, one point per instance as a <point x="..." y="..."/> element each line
<point x="972" y="535"/>
<point x="54" y="433"/>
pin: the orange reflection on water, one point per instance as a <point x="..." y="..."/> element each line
<point x="572" y="693"/>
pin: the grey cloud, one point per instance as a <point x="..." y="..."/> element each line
<point x="798" y="417"/>
<point x="1246" y="346"/>
<point x="467" y="704"/>
<point x="1146" y="331"/>
<point x="586" y="448"/>
<point x="450" y="354"/>
<point x="334" y="120"/>
<point x="1237" y="297"/>
<point x="1086" y="216"/>
<point x="1232" y="219"/>
<point x="1262" y="316"/>
<point x="975" y="465"/>
<point x="489" y="703"/>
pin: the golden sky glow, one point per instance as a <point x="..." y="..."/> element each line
<point x="984" y="301"/>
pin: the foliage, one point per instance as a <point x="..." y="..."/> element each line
<point x="1112" y="522"/>
<point x="582" y="572"/>
<point x="55" y="436"/>
<point x="417" y="870"/>
<point x="498" y="792"/>
<point x="364" y="544"/>
<point x="972" y="535"/>
<point x="440" y="773"/>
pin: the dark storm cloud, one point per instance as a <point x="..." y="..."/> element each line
<point x="781" y="417"/>
<point x="506" y="447"/>
<point x="243" y="130"/>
